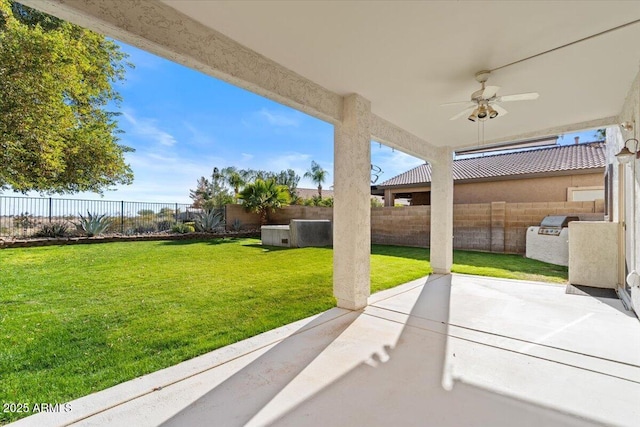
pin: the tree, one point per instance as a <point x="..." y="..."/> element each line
<point x="211" y="194"/>
<point x="317" y="175"/>
<point x="263" y="197"/>
<point x="166" y="212"/>
<point x="600" y="134"/>
<point x="236" y="179"/>
<point x="289" y="179"/>
<point x="56" y="78"/>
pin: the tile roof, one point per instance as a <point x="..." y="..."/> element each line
<point x="544" y="160"/>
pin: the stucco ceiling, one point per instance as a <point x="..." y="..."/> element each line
<point x="407" y="58"/>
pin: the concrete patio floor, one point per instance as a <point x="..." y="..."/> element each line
<point x="450" y="350"/>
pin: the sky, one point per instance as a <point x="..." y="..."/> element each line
<point x="183" y="123"/>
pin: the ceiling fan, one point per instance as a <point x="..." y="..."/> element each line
<point x="484" y="102"/>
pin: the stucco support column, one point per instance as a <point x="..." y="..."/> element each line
<point x="352" y="208"/>
<point x="389" y="198"/>
<point x="442" y="211"/>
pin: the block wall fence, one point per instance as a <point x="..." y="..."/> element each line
<point x="492" y="227"/>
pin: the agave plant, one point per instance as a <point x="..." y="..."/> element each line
<point x="93" y="224"/>
<point x="55" y="229"/>
<point x="208" y="221"/>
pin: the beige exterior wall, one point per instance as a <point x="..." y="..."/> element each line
<point x="539" y="189"/>
<point x="544" y="189"/>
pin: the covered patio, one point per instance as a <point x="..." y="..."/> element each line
<point x="449" y="349"/>
<point x="445" y="350"/>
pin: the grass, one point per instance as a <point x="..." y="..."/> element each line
<point x="78" y="319"/>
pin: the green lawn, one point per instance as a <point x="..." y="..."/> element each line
<point x="78" y="319"/>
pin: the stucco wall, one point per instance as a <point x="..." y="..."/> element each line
<point x="546" y="189"/>
<point x="523" y="190"/>
<point x="593" y="254"/>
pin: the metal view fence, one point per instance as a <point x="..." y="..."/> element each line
<point x="25" y="216"/>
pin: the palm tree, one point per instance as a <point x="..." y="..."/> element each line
<point x="317" y="175"/>
<point x="235" y="178"/>
<point x="263" y="197"/>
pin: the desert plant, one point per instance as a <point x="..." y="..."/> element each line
<point x="264" y="197"/>
<point x="182" y="228"/>
<point x="319" y="201"/>
<point x="24" y="221"/>
<point x="237" y="225"/>
<point x="93" y="224"/>
<point x="143" y="229"/>
<point x="165" y="224"/>
<point x="56" y="229"/>
<point x="208" y="221"/>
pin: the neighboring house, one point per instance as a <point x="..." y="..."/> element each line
<point x="558" y="173"/>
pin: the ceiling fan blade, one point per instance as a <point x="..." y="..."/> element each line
<point x="490" y="92"/>
<point x="519" y="97"/>
<point x="501" y="111"/>
<point x="463" y="113"/>
<point x="460" y="103"/>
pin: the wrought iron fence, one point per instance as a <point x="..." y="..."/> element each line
<point x="26" y="216"/>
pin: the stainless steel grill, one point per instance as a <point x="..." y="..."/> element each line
<point x="552" y="225"/>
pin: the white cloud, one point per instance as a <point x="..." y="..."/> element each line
<point x="198" y="138"/>
<point x="148" y="129"/>
<point x="291" y="160"/>
<point x="281" y="118"/>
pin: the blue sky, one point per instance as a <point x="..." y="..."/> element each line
<point x="182" y="123"/>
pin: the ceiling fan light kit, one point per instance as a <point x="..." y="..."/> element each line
<point x="484" y="105"/>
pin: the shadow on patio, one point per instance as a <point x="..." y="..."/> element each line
<point x="395" y="364"/>
<point x="449" y="350"/>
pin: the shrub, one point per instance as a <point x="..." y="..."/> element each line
<point x="237" y="225"/>
<point x="24" y="221"/>
<point x="208" y="221"/>
<point x="143" y="229"/>
<point x="165" y="224"/>
<point x="56" y="229"/>
<point x="93" y="224"/>
<point x="182" y="228"/>
<point x="326" y="202"/>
